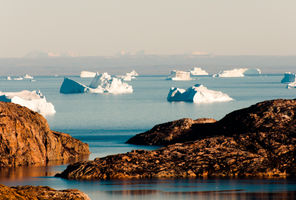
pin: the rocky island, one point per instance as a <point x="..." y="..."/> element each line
<point x="26" y="139"/>
<point x="256" y="141"/>
<point x="39" y="193"/>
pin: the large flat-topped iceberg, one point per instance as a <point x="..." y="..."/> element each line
<point x="87" y="74"/>
<point x="196" y="71"/>
<point x="238" y="72"/>
<point x="101" y="83"/>
<point x="289" y="77"/>
<point x="31" y="99"/>
<point x="70" y="86"/>
<point x="177" y="75"/>
<point x="197" y="94"/>
<point x="104" y="83"/>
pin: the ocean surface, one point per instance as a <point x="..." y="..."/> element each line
<point x="106" y="121"/>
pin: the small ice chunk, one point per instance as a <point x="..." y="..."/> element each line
<point x="18" y="79"/>
<point x="197" y="94"/>
<point x="8" y="78"/>
<point x="291" y="85"/>
<point x="196" y="71"/>
<point x="70" y="86"/>
<point x="177" y="75"/>
<point x="87" y="74"/>
<point x="33" y="100"/>
<point x="27" y="76"/>
<point x="289" y="77"/>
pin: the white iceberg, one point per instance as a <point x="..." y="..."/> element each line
<point x="196" y="71"/>
<point x="238" y="72"/>
<point x="101" y="83"/>
<point x="289" y="77"/>
<point x="132" y="73"/>
<point x="18" y="79"/>
<point x="104" y="83"/>
<point x="179" y="76"/>
<point x="27" y="76"/>
<point x="197" y="94"/>
<point x="87" y="74"/>
<point x="70" y="86"/>
<point x="291" y="85"/>
<point x="31" y="99"/>
<point x="8" y="78"/>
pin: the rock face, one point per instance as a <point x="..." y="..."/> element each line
<point x="26" y="139"/>
<point x="168" y="133"/>
<point x="39" y="193"/>
<point x="255" y="141"/>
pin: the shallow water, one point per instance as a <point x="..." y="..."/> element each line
<point x="106" y="121"/>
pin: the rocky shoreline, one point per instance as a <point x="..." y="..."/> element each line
<point x="39" y="193"/>
<point x="255" y="141"/>
<point x="26" y="139"/>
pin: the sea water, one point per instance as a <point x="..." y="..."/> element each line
<point x="107" y="121"/>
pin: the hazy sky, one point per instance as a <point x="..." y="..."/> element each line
<point x="106" y="27"/>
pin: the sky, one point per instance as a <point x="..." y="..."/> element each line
<point x="158" y="27"/>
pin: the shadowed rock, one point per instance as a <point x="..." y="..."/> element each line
<point x="26" y="139"/>
<point x="39" y="193"/>
<point x="255" y="141"/>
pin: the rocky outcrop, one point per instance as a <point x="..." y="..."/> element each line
<point x="267" y="116"/>
<point x="26" y="139"/>
<point x="39" y="193"/>
<point x="168" y="133"/>
<point x="255" y="141"/>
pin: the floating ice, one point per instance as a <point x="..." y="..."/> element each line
<point x="31" y="99"/>
<point x="132" y="73"/>
<point x="87" y="74"/>
<point x="291" y="85"/>
<point x="70" y="86"/>
<point x="289" y="77"/>
<point x="8" y="78"/>
<point x="101" y="83"/>
<point x="197" y="94"/>
<point x="129" y="76"/>
<point x="104" y="83"/>
<point x="196" y="71"/>
<point x="18" y="79"/>
<point x="27" y="76"/>
<point x="179" y="76"/>
<point x="238" y="72"/>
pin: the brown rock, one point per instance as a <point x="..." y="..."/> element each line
<point x="224" y="148"/>
<point x="26" y="139"/>
<point x="39" y="193"/>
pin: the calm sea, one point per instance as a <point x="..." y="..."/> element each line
<point x="106" y="121"/>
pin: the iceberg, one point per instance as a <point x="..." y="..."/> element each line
<point x="132" y="73"/>
<point x="129" y="76"/>
<point x="101" y="83"/>
<point x="238" y="72"/>
<point x="27" y="76"/>
<point x="18" y="78"/>
<point x="31" y="99"/>
<point x="291" y="85"/>
<point x="196" y="71"/>
<point x="87" y="74"/>
<point x="179" y="76"/>
<point x="70" y="86"/>
<point x="289" y="77"/>
<point x="197" y="94"/>
<point x="8" y="78"/>
<point x="104" y="83"/>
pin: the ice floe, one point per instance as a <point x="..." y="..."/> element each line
<point x="87" y="74"/>
<point x="196" y="71"/>
<point x="238" y="72"/>
<point x="289" y="77"/>
<point x="33" y="100"/>
<point x="101" y="83"/>
<point x="197" y="94"/>
<point x="177" y="75"/>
